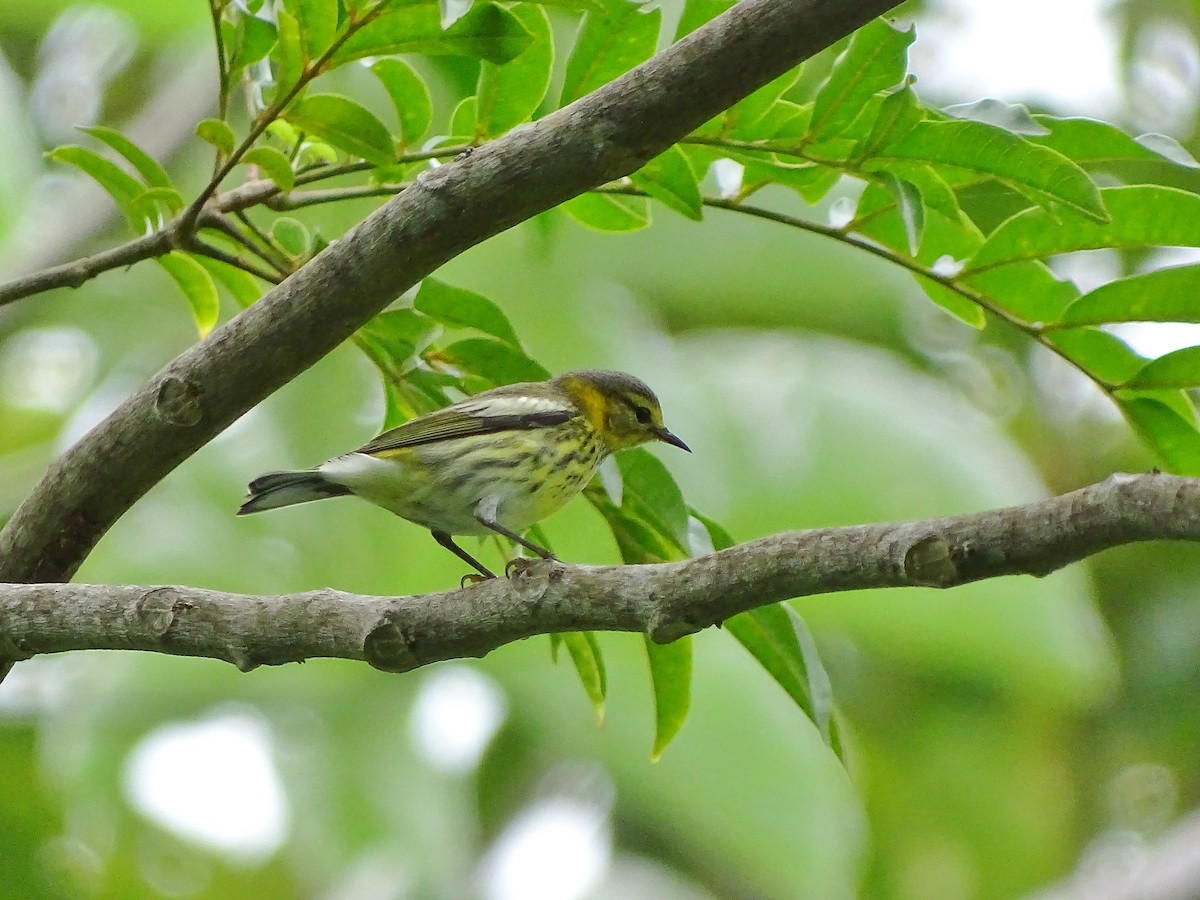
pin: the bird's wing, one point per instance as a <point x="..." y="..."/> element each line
<point x="475" y="415"/>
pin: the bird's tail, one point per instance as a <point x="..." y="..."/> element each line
<point x="277" y="489"/>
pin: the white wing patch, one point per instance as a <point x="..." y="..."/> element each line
<point x="511" y="406"/>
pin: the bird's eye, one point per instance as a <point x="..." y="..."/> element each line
<point x="643" y="415"/>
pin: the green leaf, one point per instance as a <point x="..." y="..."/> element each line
<point x="346" y="125"/>
<point x="416" y="392"/>
<point x="197" y="286"/>
<point x="785" y="120"/>
<point x="669" y="179"/>
<point x="671" y="675"/>
<point x="1177" y="400"/>
<point x="986" y="150"/>
<point x="403" y="332"/>
<point x="933" y="190"/>
<point x="510" y="94"/>
<point x="495" y="361"/>
<point x="410" y="96"/>
<point x="879" y="218"/>
<point x="1163" y="295"/>
<point x="810" y="180"/>
<point x="460" y="308"/>
<point x="283" y="133"/>
<point x="698" y="12"/>
<point x="651" y="494"/>
<point x="875" y="60"/>
<point x="652" y="522"/>
<point x="463" y="118"/>
<point x="1105" y="356"/>
<point x="1093" y="143"/>
<point x="747" y="119"/>
<point x="769" y="637"/>
<point x="248" y="40"/>
<point x="777" y="637"/>
<point x="954" y="303"/>
<point x="721" y="539"/>
<point x="488" y="31"/>
<point x="638" y="542"/>
<point x="217" y="133"/>
<point x="820" y="687"/>
<point x="167" y="198"/>
<point x="609" y="212"/>
<point x="1144" y="215"/>
<point x="1028" y="290"/>
<point x="1173" y="439"/>
<point x="909" y="206"/>
<point x="1012" y="117"/>
<point x="121" y="186"/>
<point x="898" y="113"/>
<point x="608" y="46"/>
<point x="1180" y="369"/>
<point x="318" y="153"/>
<point x="293" y="237"/>
<point x="393" y="339"/>
<point x="273" y="164"/>
<point x="287" y="54"/>
<point x="317" y="21"/>
<point x="153" y="174"/>
<point x="585" y="653"/>
<point x="1169" y="149"/>
<point x="242" y="286"/>
<point x="577" y="5"/>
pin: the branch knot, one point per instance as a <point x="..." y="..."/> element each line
<point x="929" y="563"/>
<point x="178" y="402"/>
<point x="387" y="649"/>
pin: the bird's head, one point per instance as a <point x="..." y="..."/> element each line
<point x="622" y="408"/>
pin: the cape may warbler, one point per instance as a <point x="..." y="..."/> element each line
<point x="495" y="462"/>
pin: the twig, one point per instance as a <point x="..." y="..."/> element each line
<point x="80" y="271"/>
<point x="253" y="240"/>
<point x="196" y="245"/>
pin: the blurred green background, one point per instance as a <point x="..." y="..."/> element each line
<point x="999" y="733"/>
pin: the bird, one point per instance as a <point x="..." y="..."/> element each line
<point x="494" y="463"/>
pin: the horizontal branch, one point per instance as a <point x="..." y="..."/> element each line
<point x="665" y="601"/>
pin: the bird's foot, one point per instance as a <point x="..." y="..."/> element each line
<point x="529" y="577"/>
<point x="523" y="565"/>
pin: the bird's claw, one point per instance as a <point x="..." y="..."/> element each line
<point x="517" y="564"/>
<point x="472" y="578"/>
<point x="529" y="577"/>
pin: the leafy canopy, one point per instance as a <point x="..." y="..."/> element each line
<point x="931" y="183"/>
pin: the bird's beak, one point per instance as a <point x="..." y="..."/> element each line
<point x="667" y="438"/>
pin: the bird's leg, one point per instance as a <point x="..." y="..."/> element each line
<point x="485" y="514"/>
<point x="448" y="542"/>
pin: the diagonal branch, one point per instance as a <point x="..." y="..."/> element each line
<point x="601" y="137"/>
<point x="665" y="601"/>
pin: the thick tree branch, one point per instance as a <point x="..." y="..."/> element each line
<point x="603" y="136"/>
<point x="664" y="601"/>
